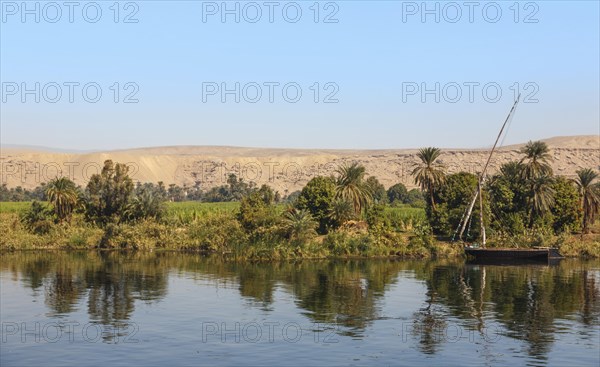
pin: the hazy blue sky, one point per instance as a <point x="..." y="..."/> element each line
<point x="375" y="57"/>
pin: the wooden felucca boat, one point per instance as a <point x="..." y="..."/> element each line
<point x="499" y="254"/>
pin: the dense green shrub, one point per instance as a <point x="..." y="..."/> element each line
<point x="452" y="200"/>
<point x="377" y="218"/>
<point x="566" y="210"/>
<point x="342" y="243"/>
<point x="37" y="219"/>
<point x="397" y="194"/>
<point x="512" y="198"/>
<point x="317" y="197"/>
<point x="219" y="232"/>
<point x="377" y="190"/>
<point x="108" y="193"/>
<point x="145" y="204"/>
<point x="145" y="234"/>
<point x="257" y="214"/>
<point x="415" y="198"/>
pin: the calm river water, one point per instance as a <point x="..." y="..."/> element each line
<point x="61" y="308"/>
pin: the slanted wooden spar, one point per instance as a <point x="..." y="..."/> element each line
<point x="477" y="193"/>
<point x="498" y="253"/>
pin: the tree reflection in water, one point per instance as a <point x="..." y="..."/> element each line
<point x="526" y="301"/>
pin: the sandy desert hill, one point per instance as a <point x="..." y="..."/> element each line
<point x="286" y="170"/>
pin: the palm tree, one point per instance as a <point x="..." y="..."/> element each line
<point x="299" y="224"/>
<point x="535" y="163"/>
<point x="541" y="196"/>
<point x="512" y="170"/>
<point x="340" y="211"/>
<point x="147" y="204"/>
<point x="36" y="219"/>
<point x="590" y="196"/>
<point x="428" y="173"/>
<point x="351" y="186"/>
<point x="63" y="195"/>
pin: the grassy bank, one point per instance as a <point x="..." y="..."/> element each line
<point x="213" y="228"/>
<point x="14" y="206"/>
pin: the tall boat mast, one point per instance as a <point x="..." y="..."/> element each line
<point x="481" y="179"/>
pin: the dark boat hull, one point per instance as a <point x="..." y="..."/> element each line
<point x="512" y="253"/>
<point x="536" y="261"/>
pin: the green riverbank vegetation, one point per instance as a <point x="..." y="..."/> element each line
<point x="349" y="214"/>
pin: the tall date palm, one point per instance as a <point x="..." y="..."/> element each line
<point x="512" y="171"/>
<point x="535" y="163"/>
<point x="590" y="197"/>
<point x="63" y="195"/>
<point x="428" y="173"/>
<point x="351" y="186"/>
<point x="536" y="174"/>
<point x="541" y="196"/>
